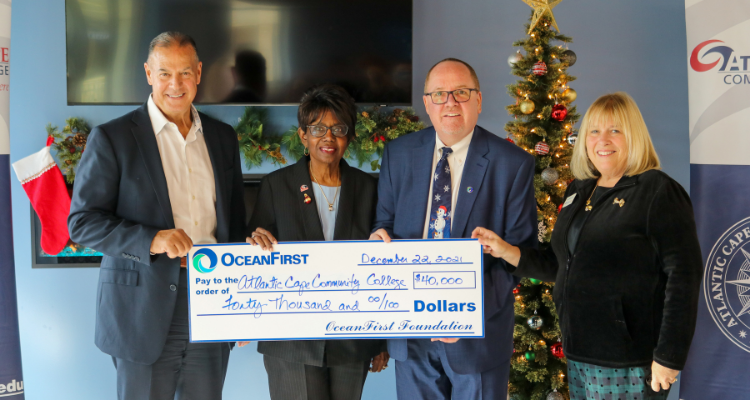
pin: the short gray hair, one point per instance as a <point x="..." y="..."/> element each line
<point x="169" y="38"/>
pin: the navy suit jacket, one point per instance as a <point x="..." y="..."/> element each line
<point x="502" y="199"/>
<point x="120" y="201"/>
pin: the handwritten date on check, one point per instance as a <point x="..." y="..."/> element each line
<point x="336" y="290"/>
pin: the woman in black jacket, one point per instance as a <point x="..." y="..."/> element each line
<point x="319" y="198"/>
<point x="625" y="259"/>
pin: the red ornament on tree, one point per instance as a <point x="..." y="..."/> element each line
<point x="515" y="291"/>
<point x="559" y="112"/>
<point x="559" y="208"/>
<point x="541" y="148"/>
<point x="557" y="350"/>
<point x="510" y="140"/>
<point x="539" y="69"/>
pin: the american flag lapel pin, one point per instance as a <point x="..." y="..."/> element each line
<point x="303" y="188"/>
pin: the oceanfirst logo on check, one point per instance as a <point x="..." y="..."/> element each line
<point x="273" y="258"/>
<point x="205" y="259"/>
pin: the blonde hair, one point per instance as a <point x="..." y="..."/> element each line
<point x="620" y="109"/>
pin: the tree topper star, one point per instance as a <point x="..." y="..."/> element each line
<point x="542" y="7"/>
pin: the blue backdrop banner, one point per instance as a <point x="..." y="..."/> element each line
<point x="11" y="377"/>
<point x="718" y="53"/>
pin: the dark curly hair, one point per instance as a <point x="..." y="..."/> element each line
<point x="325" y="98"/>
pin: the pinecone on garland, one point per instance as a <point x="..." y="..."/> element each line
<point x="68" y="144"/>
<point x="79" y="140"/>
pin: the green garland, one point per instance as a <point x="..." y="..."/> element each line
<point x="254" y="144"/>
<point x="293" y="144"/>
<point x="374" y="128"/>
<point x="69" y="144"/>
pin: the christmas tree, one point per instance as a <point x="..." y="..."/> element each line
<point x="543" y="125"/>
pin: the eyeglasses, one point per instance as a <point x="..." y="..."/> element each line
<point x="460" y="95"/>
<point x="321" y="130"/>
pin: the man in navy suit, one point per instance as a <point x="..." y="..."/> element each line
<point x="150" y="184"/>
<point x="442" y="182"/>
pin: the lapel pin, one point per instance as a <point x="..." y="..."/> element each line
<point x="621" y="202"/>
<point x="303" y="188"/>
<point x="469" y="189"/>
<point x="307" y="199"/>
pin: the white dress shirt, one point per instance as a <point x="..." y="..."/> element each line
<point x="456" y="162"/>
<point x="190" y="176"/>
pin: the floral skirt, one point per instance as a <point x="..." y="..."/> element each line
<point x="592" y="382"/>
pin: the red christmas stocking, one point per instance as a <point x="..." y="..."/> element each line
<point x="44" y="184"/>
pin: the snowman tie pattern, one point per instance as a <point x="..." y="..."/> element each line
<point x="440" y="212"/>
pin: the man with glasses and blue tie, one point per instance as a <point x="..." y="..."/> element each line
<point x="440" y="183"/>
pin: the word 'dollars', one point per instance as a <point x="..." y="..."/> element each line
<point x="443" y="306"/>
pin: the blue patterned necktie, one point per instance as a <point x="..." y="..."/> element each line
<point x="440" y="212"/>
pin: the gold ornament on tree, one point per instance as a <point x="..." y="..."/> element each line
<point x="527" y="106"/>
<point x="542" y="7"/>
<point x="570" y="95"/>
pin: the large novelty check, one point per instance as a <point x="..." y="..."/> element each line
<point x="336" y="290"/>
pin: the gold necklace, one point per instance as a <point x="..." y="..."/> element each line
<point x="330" y="205"/>
<point x="588" y="201"/>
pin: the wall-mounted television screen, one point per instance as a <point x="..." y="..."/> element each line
<point x="253" y="51"/>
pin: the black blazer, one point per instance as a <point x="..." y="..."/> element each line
<point x="120" y="201"/>
<point x="629" y="293"/>
<point x="281" y="209"/>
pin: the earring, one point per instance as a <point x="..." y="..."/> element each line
<point x="306" y="152"/>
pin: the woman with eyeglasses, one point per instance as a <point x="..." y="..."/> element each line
<point x="319" y="198"/>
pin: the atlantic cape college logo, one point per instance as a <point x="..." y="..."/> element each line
<point x="204" y="260"/>
<point x="716" y="55"/>
<point x="726" y="284"/>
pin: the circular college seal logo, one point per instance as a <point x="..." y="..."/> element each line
<point x="726" y="283"/>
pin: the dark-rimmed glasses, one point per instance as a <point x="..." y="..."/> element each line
<point x="459" y="95"/>
<point x="321" y="130"/>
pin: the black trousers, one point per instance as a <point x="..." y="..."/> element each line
<point x="184" y="371"/>
<point x="289" y="380"/>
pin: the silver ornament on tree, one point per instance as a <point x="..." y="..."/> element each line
<point x="535" y="321"/>
<point x="554" y="395"/>
<point x="550" y="176"/>
<point x="572" y="139"/>
<point x="514" y="58"/>
<point x="569" y="57"/>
